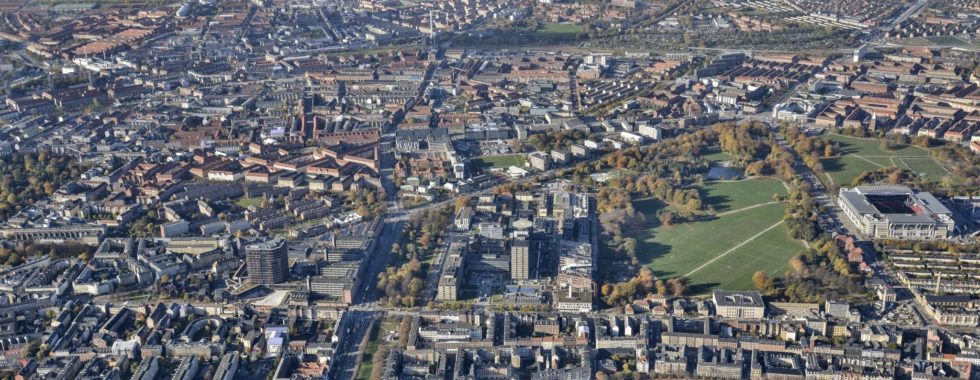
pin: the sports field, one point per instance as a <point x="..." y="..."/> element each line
<point x="505" y="161"/>
<point x="728" y="196"/>
<point x="722" y="252"/>
<point x="859" y="155"/>
<point x="556" y="29"/>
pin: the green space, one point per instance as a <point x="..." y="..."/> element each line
<point x="555" y="29"/>
<point x="720" y="252"/>
<point x="858" y="155"/>
<point x="872" y="147"/>
<point x="504" y="161"/>
<point x="717" y="156"/>
<point x="843" y="170"/>
<point x="367" y="363"/>
<point x="926" y="167"/>
<point x="728" y="196"/>
<point x="752" y="11"/>
<point x="946" y="41"/>
<point x="246" y="202"/>
<point x="961" y="41"/>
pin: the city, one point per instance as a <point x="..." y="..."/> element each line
<point x="489" y="189"/>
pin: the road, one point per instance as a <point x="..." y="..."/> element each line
<point x="354" y="325"/>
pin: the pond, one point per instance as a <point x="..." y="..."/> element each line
<point x="723" y="172"/>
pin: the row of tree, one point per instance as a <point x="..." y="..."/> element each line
<point x="550" y="140"/>
<point x="23" y="251"/>
<point x="640" y="286"/>
<point x="820" y="273"/>
<point x="403" y="285"/>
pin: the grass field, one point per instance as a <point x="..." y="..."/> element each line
<point x="367" y="364"/>
<point x="717" y="156"/>
<point x="505" y="161"/>
<point x="859" y="155"/>
<point x="727" y="196"/>
<point x="938" y="41"/>
<point x="246" y="202"/>
<point x="946" y="41"/>
<point x="555" y="29"/>
<point x="927" y="167"/>
<point x="724" y="251"/>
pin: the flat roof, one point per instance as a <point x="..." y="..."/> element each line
<point x="746" y="299"/>
<point x="857" y="198"/>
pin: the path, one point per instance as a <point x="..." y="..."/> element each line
<point x="939" y="164"/>
<point x="861" y="157"/>
<point x="902" y="159"/>
<point x="747" y="208"/>
<point x="829" y="179"/>
<point x="723" y="254"/>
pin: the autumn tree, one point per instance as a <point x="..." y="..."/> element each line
<point x="678" y="286"/>
<point x="762" y="282"/>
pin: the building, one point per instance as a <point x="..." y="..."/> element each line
<point x="276" y="337"/>
<point x="172" y="229"/>
<point x="227" y="367"/>
<point x="267" y="263"/>
<point x="520" y="260"/>
<point x="463" y="219"/>
<point x="654" y="132"/>
<point x="539" y="161"/>
<point x="187" y="369"/>
<point x="452" y="274"/>
<point x="147" y="369"/>
<point x="740" y="305"/>
<point x="896" y="212"/>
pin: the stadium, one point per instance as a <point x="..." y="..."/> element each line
<point x="896" y="212"/>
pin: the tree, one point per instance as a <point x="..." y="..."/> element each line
<point x="947" y="182"/>
<point x="661" y="287"/>
<point x="678" y="286"/>
<point x="461" y="202"/>
<point x="31" y="349"/>
<point x="629" y="246"/>
<point x="762" y="281"/>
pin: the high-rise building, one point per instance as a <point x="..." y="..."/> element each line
<point x="267" y="263"/>
<point x="520" y="260"/>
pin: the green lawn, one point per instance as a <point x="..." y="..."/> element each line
<point x="681" y="249"/>
<point x="727" y="196"/>
<point x="872" y="147"/>
<point x="753" y="11"/>
<point x="559" y="29"/>
<point x="367" y="365"/>
<point x="246" y="202"/>
<point x="717" y="155"/>
<point x="926" y="167"/>
<point x="859" y="155"/>
<point x="946" y="41"/>
<point x="845" y="169"/>
<point x="505" y="161"/>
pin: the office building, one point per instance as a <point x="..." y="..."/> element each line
<point x="748" y="304"/>
<point x="267" y="263"/>
<point x="520" y="260"/>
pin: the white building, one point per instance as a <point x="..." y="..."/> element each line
<point x="896" y="212"/>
